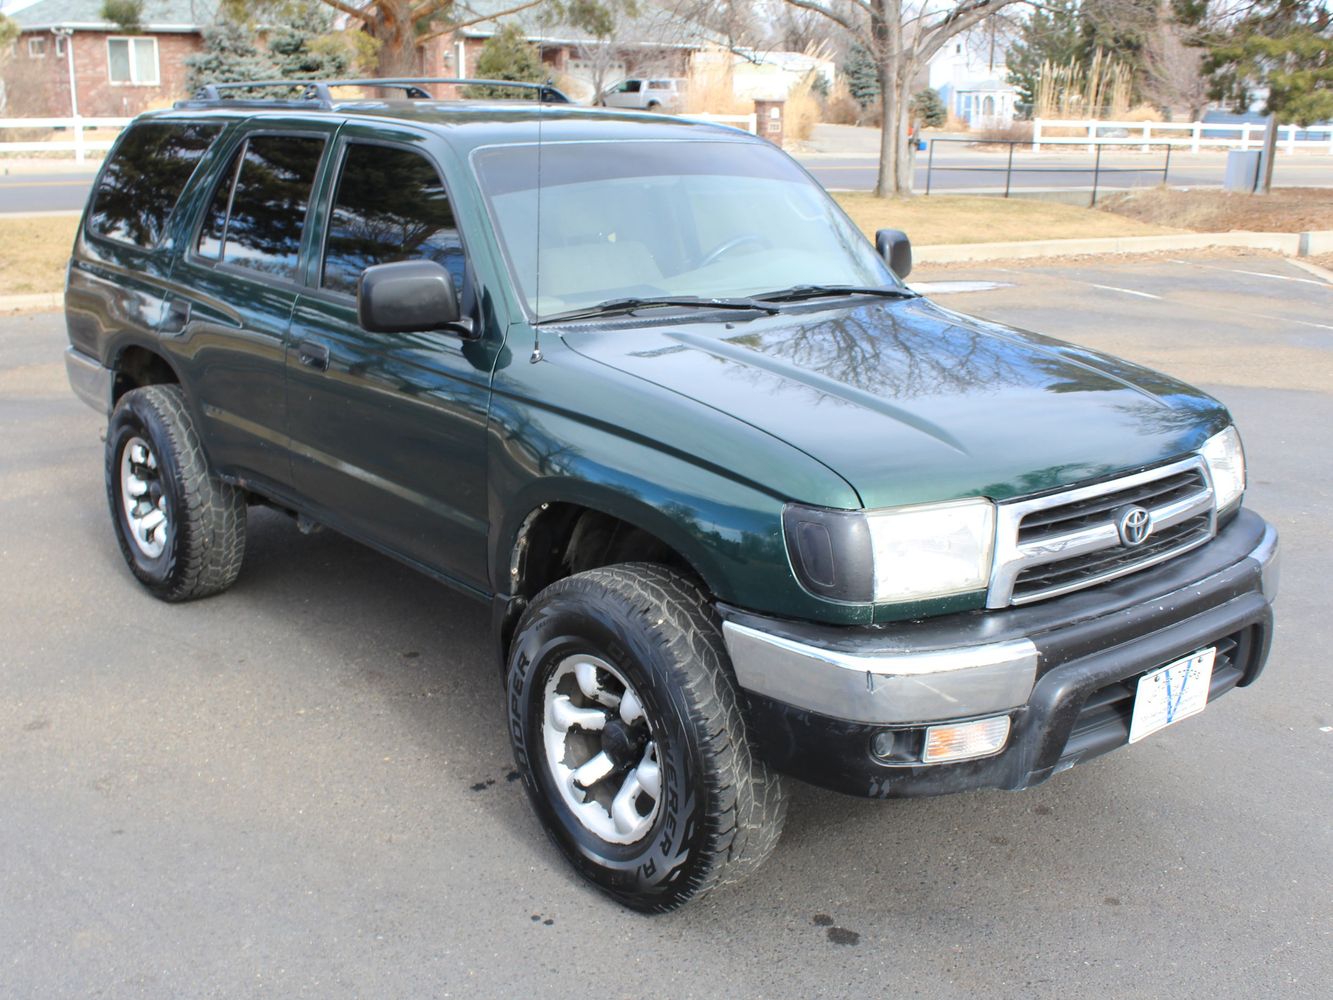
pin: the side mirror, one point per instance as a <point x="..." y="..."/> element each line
<point x="409" y="296"/>
<point x="896" y="249"/>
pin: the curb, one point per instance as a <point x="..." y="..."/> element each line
<point x="1287" y="244"/>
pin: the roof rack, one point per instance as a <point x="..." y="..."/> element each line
<point x="316" y="93"/>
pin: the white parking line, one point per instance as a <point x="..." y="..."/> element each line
<point x="950" y="287"/>
<point x="1127" y="291"/>
<point x="1257" y="274"/>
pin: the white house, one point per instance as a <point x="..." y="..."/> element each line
<point x="973" y="82"/>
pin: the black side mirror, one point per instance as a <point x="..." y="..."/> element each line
<point x="409" y="296"/>
<point x="896" y="249"/>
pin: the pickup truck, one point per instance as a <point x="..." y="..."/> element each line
<point x="739" y="503"/>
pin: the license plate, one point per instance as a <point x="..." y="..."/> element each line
<point x="1171" y="693"/>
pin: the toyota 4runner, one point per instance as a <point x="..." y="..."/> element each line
<point x="740" y="502"/>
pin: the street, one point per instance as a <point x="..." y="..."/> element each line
<point x="303" y="787"/>
<point x="962" y="169"/>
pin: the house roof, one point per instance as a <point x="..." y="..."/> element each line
<point x="159" y="16"/>
<point x="653" y="27"/>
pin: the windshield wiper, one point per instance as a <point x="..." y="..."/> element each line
<point x="612" y="307"/>
<point x="798" y="293"/>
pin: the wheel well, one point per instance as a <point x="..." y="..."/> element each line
<point x="138" y="366"/>
<point x="561" y="539"/>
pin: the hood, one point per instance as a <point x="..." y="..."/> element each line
<point x="911" y="403"/>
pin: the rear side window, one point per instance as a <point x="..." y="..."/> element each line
<point x="144" y="179"/>
<point x="390" y="205"/>
<point x="258" y="210"/>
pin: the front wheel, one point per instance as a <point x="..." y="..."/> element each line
<point x="629" y="735"/>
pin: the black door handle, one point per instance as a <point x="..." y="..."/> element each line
<point x="313" y="354"/>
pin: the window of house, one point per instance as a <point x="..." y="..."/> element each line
<point x="390" y="205"/>
<point x="60" y="45"/>
<point x="37" y="48"/>
<point x="144" y="179"/>
<point x="259" y="208"/>
<point x="132" y="61"/>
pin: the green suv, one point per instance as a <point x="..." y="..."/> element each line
<point x="739" y="501"/>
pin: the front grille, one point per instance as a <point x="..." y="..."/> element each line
<point x="1070" y="574"/>
<point x="1103" y="723"/>
<point x="1061" y="543"/>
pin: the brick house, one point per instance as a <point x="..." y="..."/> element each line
<point x="656" y="42"/>
<point x="116" y="73"/>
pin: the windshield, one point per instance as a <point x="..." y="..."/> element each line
<point x="647" y="219"/>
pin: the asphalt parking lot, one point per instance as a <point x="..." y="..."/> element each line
<point x="302" y="787"/>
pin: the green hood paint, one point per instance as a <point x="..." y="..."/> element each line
<point x="912" y="403"/>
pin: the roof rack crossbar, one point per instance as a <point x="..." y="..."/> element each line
<point x="317" y="92"/>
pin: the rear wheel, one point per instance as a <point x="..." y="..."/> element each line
<point x="628" y="731"/>
<point x="180" y="529"/>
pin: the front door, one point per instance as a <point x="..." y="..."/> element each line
<point x="388" y="431"/>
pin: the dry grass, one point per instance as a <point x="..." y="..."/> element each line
<point x="802" y="112"/>
<point x="1286" y="210"/>
<point x="33" y="253"/>
<point x="987" y="220"/>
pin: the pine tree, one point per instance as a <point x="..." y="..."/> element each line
<point x="928" y="109"/>
<point x="231" y="52"/>
<point x="304" y="47"/>
<point x="507" y="55"/>
<point x="1282" y="46"/>
<point x="862" y="75"/>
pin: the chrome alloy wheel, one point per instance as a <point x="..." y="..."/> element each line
<point x="144" y="498"/>
<point x="600" y="749"/>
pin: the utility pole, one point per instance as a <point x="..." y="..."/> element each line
<point x="1266" y="160"/>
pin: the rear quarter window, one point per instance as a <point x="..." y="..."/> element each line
<point x="144" y="179"/>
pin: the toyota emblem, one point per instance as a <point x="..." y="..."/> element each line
<point x="1134" y="524"/>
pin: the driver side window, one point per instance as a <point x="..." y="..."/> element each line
<point x="390" y="205"/>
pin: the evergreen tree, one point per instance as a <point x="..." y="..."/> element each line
<point x="231" y="52"/>
<point x="507" y="55"/>
<point x="928" y="109"/>
<point x="304" y="46"/>
<point x="1282" y="46"/>
<point x="862" y="75"/>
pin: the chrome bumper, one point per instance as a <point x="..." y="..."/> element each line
<point x="92" y="382"/>
<point x="885" y="681"/>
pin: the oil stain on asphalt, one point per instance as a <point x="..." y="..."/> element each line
<point x="837" y="935"/>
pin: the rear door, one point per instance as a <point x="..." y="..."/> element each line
<point x="388" y="431"/>
<point x="236" y="285"/>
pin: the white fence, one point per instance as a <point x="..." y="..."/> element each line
<point x="1193" y="135"/>
<point x="77" y="143"/>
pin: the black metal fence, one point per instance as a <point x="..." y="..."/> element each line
<point x="1095" y="169"/>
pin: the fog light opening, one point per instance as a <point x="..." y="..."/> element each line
<point x="966" y="740"/>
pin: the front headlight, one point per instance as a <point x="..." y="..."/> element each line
<point x="1226" y="465"/>
<point x="894" y="555"/>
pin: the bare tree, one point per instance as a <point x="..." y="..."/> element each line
<point x="1173" y="67"/>
<point x="901" y="36"/>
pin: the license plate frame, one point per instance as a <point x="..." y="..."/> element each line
<point x="1168" y="694"/>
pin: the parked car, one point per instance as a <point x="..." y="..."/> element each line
<point x="646" y="94"/>
<point x="738" y="502"/>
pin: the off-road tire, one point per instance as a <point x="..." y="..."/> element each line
<point x="722" y="808"/>
<point x="206" y="542"/>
